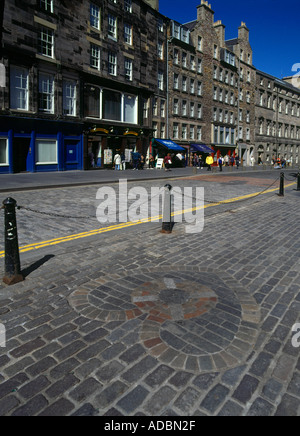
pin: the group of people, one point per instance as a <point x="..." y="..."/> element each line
<point x="280" y="162"/>
<point x="200" y="162"/>
<point x="137" y="161"/>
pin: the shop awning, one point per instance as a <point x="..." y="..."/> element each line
<point x="170" y="145"/>
<point x="202" y="148"/>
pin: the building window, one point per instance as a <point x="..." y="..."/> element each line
<point x="46" y="93"/>
<point x="117" y="106"/>
<point x="130" y="109"/>
<point x="46" y="152"/>
<point x="192" y="132"/>
<point x="46" y="42"/>
<point x="112" y="26"/>
<point x="199" y="133"/>
<point x="95" y="16"/>
<point x="215" y="51"/>
<point x="184" y="131"/>
<point x="128" y="69"/>
<point x="176" y="81"/>
<point x="199" y="69"/>
<point x="160" y="24"/>
<point x="69" y="98"/>
<point x="199" y="89"/>
<point x="3" y="151"/>
<point x="162" y="108"/>
<point x="95" y="56"/>
<point x="111" y="105"/>
<point x="160" y="80"/>
<point x="192" y="86"/>
<point x="91" y="101"/>
<point x="160" y="50"/>
<point x="128" y="5"/>
<point x="128" y="33"/>
<point x="176" y="56"/>
<point x="199" y="111"/>
<point x="47" y="5"/>
<point x="192" y="110"/>
<point x="19" y="88"/>
<point x="112" y="64"/>
<point x="175" y="131"/>
<point x="176" y="106"/>
<point x="200" y="43"/>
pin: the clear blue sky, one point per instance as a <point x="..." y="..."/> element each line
<point x="274" y="28"/>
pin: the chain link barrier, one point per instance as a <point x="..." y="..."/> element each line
<point x="89" y="217"/>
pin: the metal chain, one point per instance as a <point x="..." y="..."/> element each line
<point x="56" y="215"/>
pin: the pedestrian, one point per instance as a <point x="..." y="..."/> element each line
<point x="201" y="162"/>
<point x="117" y="161"/>
<point x="168" y="162"/>
<point x="136" y="157"/>
<point x="232" y="161"/>
<point x="142" y="162"/>
<point x="195" y="160"/>
<point x="209" y="162"/>
<point x="237" y="161"/>
<point x="123" y="162"/>
<point x="220" y="162"/>
<point x="226" y="160"/>
<point x="151" y="162"/>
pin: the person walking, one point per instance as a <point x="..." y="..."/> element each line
<point x="237" y="161"/>
<point x="209" y="162"/>
<point x="168" y="162"/>
<point x="123" y="162"/>
<point x="195" y="160"/>
<point x="220" y="162"/>
<point x="117" y="161"/>
<point x="136" y="158"/>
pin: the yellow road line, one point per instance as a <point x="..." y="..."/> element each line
<point x="56" y="241"/>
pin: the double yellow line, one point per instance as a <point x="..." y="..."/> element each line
<point x="56" y="241"/>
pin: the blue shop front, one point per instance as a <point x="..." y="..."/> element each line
<point x="34" y="145"/>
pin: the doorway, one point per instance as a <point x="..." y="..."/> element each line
<point x="21" y="148"/>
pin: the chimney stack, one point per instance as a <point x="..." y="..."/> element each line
<point x="243" y="32"/>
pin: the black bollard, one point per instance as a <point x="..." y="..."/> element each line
<point x="281" y="187"/>
<point x="12" y="257"/>
<point x="298" y="181"/>
<point x="166" y="221"/>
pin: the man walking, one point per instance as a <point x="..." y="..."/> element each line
<point x="209" y="162"/>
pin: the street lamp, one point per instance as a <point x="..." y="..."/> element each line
<point x="169" y="41"/>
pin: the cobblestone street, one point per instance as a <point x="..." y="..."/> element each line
<point x="130" y="321"/>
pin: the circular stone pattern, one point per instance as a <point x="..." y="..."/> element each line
<point x="190" y="318"/>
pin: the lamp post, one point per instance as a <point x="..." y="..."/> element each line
<point x="169" y="41"/>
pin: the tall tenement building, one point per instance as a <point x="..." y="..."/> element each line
<point x="80" y="81"/>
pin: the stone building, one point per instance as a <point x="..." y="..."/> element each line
<point x="80" y="79"/>
<point x="277" y="110"/>
<point x="211" y="87"/>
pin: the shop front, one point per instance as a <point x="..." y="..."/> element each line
<point x="103" y="143"/>
<point x="30" y="145"/>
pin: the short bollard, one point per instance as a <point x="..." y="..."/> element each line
<point x="12" y="257"/>
<point x="166" y="221"/>
<point x="298" y="181"/>
<point x="281" y="187"/>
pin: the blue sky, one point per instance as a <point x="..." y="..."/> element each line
<point x="273" y="24"/>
